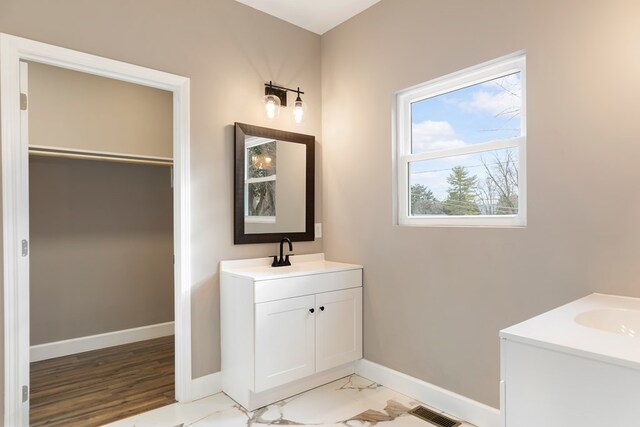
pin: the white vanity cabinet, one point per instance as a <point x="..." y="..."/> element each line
<point x="338" y="328"/>
<point x="577" y="365"/>
<point x="287" y="329"/>
<point x="285" y="341"/>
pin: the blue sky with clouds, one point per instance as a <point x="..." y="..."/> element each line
<point x="472" y="115"/>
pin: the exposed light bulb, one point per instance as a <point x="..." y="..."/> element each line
<point x="272" y="105"/>
<point x="298" y="110"/>
<point x="271" y="108"/>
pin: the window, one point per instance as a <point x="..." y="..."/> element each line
<point x="260" y="180"/>
<point x="461" y="145"/>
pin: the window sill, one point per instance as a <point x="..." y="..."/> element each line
<point x="466" y="222"/>
<point x="260" y="219"/>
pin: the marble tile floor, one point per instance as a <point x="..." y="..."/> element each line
<point x="352" y="401"/>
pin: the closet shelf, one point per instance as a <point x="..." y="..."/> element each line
<point x="37" y="150"/>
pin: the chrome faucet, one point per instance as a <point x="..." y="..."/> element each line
<point x="283" y="261"/>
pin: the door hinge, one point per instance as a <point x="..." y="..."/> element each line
<point x="25" y="393"/>
<point x="23" y="101"/>
<point x="25" y="247"/>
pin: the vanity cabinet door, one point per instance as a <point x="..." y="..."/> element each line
<point x="284" y="340"/>
<point x="338" y="328"/>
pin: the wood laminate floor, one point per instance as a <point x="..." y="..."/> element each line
<point x="97" y="387"/>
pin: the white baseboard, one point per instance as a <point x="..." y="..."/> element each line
<point x="206" y="386"/>
<point x="458" y="406"/>
<point x="95" y="342"/>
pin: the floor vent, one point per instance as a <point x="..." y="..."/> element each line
<point x="433" y="417"/>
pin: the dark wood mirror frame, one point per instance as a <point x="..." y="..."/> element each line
<point x="241" y="131"/>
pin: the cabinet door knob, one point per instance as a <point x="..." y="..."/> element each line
<point x="312" y="310"/>
<point x="322" y="308"/>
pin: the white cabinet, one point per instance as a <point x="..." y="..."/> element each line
<point x="545" y="387"/>
<point x="296" y="337"/>
<point x="338" y="328"/>
<point x="288" y="329"/>
<point x="557" y="372"/>
<point x="285" y="341"/>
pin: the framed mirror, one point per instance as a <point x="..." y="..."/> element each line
<point x="274" y="185"/>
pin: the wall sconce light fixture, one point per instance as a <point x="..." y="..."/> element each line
<point x="276" y="97"/>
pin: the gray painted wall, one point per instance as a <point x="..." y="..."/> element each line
<point x="101" y="247"/>
<point x="69" y="109"/>
<point x="435" y="298"/>
<point x="228" y="50"/>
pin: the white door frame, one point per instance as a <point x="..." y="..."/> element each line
<point x="15" y="207"/>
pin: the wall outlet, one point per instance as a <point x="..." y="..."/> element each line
<point x="318" y="230"/>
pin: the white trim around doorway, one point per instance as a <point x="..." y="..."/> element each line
<point x="15" y="208"/>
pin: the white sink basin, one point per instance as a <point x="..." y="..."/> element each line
<point x="599" y="327"/>
<point x="616" y="320"/>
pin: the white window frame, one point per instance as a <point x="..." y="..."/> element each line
<point x="478" y="74"/>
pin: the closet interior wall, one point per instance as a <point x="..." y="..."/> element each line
<point x="101" y="231"/>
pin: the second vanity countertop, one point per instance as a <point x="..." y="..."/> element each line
<point x="301" y="265"/>
<point x="558" y="330"/>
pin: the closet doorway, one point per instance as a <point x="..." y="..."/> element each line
<point x="101" y="247"/>
<point x="107" y="170"/>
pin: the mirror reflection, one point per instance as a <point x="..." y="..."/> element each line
<point x="276" y="194"/>
<point x="275" y="197"/>
<point x="260" y="180"/>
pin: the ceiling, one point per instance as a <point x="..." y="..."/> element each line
<point x="318" y="16"/>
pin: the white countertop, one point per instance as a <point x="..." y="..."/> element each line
<point x="301" y="265"/>
<point x="557" y="330"/>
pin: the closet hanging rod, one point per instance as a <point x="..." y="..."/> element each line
<point x="97" y="155"/>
